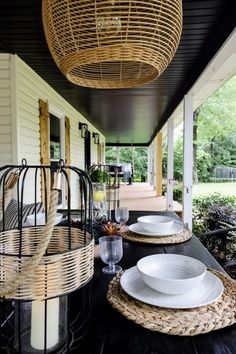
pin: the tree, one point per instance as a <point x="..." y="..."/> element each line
<point x="178" y="159"/>
<point x="195" y="126"/>
<point x="111" y="154"/>
<point x="216" y="131"/>
<point x="137" y="156"/>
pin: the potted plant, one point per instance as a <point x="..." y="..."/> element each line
<point x="99" y="176"/>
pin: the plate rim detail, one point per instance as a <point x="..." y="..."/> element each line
<point x="141" y="299"/>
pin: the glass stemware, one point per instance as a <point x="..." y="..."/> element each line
<point x="122" y="215"/>
<point x="111" y="252"/>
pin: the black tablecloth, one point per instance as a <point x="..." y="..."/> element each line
<point x="111" y="333"/>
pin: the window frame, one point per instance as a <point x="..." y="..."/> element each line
<point x="60" y="115"/>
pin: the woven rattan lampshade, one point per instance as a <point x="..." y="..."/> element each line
<point x="112" y="43"/>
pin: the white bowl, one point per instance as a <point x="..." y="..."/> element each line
<point x="171" y="273"/>
<point x="155" y="223"/>
<point x="40" y="219"/>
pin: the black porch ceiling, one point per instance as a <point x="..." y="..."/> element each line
<point x="124" y="116"/>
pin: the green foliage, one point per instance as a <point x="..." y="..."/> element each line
<point x="204" y="165"/>
<point x="126" y="154"/>
<point x="137" y="156"/>
<point x="99" y="176"/>
<point x="140" y="163"/>
<point x="178" y="159"/>
<point x="216" y="131"/>
<point x="202" y="205"/>
<point x="111" y="154"/>
<point x="177" y="190"/>
<point x="214" y="212"/>
<point x="216" y="135"/>
<point x="221" y="215"/>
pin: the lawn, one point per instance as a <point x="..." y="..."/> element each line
<point x="225" y="188"/>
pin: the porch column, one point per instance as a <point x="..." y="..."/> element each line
<point x="159" y="165"/>
<point x="170" y="167"/>
<point x="188" y="161"/>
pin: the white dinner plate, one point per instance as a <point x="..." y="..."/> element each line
<point x="175" y="229"/>
<point x="209" y="290"/>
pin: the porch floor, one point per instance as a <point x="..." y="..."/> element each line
<point x="141" y="196"/>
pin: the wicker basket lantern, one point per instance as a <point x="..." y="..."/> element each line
<point x="112" y="43"/>
<point x="40" y="264"/>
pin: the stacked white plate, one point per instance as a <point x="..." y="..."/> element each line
<point x="156" y="225"/>
<point x="208" y="289"/>
<point x="176" y="228"/>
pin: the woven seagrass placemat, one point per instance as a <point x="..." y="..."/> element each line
<point x="188" y="322"/>
<point x="181" y="236"/>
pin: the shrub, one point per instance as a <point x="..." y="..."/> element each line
<point x="177" y="190"/>
<point x="213" y="212"/>
<point x="221" y="216"/>
<point x="164" y="186"/>
<point x="99" y="176"/>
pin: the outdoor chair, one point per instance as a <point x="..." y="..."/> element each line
<point x="219" y="244"/>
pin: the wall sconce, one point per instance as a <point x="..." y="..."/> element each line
<point x="84" y="129"/>
<point x="96" y="138"/>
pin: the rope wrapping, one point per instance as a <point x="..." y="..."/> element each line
<point x="8" y="194"/>
<point x="41" y="261"/>
<point x="28" y="267"/>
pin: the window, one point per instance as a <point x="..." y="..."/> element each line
<point x="55" y="138"/>
<point x="54" y="130"/>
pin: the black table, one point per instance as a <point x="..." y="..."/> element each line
<point x="111" y="333"/>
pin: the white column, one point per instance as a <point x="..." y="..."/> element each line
<point x="170" y="166"/>
<point x="188" y="161"/>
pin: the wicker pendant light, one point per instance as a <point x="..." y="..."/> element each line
<point x="112" y="43"/>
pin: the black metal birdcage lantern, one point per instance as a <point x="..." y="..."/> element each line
<point x="41" y="263"/>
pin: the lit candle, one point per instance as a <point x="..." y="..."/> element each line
<point x="38" y="323"/>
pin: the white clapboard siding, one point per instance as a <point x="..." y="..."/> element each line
<point x="4" y="83"/>
<point x="77" y="143"/>
<point x="5" y="111"/>
<point x="5" y="114"/>
<point x="5" y="92"/>
<point x="5" y="139"/>
<point x="30" y="88"/>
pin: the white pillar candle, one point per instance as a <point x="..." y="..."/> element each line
<point x="38" y="323"/>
